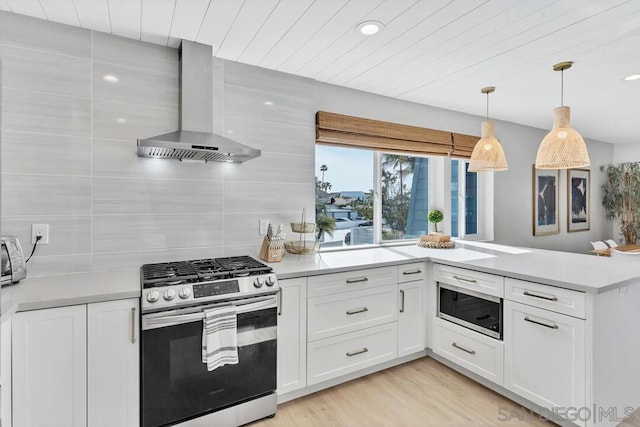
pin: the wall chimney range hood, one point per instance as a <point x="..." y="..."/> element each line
<point x="195" y="140"/>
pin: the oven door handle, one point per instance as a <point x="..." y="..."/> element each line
<point x="154" y="321"/>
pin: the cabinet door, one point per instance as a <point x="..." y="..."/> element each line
<point x="5" y="372"/>
<point x="292" y="335"/>
<point x="49" y="358"/>
<point x="544" y="356"/>
<point x="412" y="323"/>
<point x="113" y="364"/>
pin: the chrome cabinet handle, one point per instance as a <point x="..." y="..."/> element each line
<point x="133" y="325"/>
<point x="402" y="301"/>
<point x="527" y="293"/>
<point x="463" y="349"/>
<point x="464" y="279"/>
<point x="546" y="325"/>
<point x="358" y="280"/>
<point x="280" y="302"/>
<point x="407" y="273"/>
<point x="354" y="353"/>
<point x="357" y="310"/>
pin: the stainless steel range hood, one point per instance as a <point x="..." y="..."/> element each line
<point x="195" y="140"/>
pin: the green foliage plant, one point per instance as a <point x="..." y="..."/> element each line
<point x="621" y="198"/>
<point x="435" y="216"/>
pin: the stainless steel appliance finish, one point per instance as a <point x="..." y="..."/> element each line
<point x="13" y="265"/>
<point x="177" y="388"/>
<point x="195" y="140"/>
<point x="479" y="312"/>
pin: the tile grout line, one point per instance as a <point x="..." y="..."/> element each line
<point x="91" y="97"/>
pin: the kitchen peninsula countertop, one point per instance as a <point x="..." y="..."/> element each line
<point x="581" y="272"/>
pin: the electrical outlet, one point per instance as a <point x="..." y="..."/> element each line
<point x="40" y="230"/>
<point x="264" y="226"/>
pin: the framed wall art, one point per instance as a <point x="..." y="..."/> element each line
<point x="578" y="199"/>
<point x="545" y="201"/>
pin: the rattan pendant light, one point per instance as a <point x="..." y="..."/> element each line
<point x="487" y="154"/>
<point x="563" y="147"/>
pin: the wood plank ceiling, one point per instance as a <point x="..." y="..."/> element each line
<point x="434" y="52"/>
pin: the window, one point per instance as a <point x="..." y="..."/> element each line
<point x="464" y="199"/>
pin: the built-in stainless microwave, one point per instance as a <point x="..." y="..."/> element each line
<point x="479" y="312"/>
<point x="12" y="264"/>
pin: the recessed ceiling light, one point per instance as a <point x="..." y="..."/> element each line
<point x="369" y="28"/>
<point x="110" y="78"/>
<point x="632" y="77"/>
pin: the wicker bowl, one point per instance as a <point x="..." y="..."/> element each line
<point x="305" y="247"/>
<point x="303" y="227"/>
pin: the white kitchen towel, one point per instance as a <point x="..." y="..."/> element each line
<point x="220" y="337"/>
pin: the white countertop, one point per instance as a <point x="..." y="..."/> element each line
<point x="586" y="273"/>
<point x="69" y="289"/>
<point x="580" y="272"/>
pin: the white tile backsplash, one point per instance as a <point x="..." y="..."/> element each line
<point x="36" y="153"/>
<point x="45" y="195"/>
<point x="113" y="120"/>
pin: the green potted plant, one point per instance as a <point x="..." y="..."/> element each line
<point x="324" y="224"/>
<point x="621" y="198"/>
<point x="435" y="216"/>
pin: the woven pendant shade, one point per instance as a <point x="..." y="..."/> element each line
<point x="488" y="154"/>
<point x="563" y="147"/>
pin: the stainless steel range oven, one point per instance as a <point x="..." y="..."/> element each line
<point x="176" y="386"/>
<point x="479" y="312"/>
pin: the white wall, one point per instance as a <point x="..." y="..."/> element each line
<point x="626" y="153"/>
<point x="513" y="188"/>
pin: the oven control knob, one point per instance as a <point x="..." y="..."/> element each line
<point x="184" y="293"/>
<point x="153" y="296"/>
<point x="270" y="282"/>
<point x="169" y="294"/>
<point x="258" y="282"/>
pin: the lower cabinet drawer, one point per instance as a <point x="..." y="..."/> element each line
<point x="471" y="350"/>
<point x="330" y="315"/>
<point x="336" y="356"/>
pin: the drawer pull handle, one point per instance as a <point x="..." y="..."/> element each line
<point x="464" y="279"/>
<point x="541" y="323"/>
<point x="357" y="310"/>
<point x="463" y="349"/>
<point x="355" y="353"/>
<point x="279" y="301"/>
<point x="358" y="280"/>
<point x="407" y="273"/>
<point x="402" y="301"/>
<point x="527" y="293"/>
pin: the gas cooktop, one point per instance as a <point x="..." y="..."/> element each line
<point x="203" y="281"/>
<point x="201" y="270"/>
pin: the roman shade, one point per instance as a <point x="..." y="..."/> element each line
<point x="358" y="132"/>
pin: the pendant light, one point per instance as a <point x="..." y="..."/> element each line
<point x="563" y="147"/>
<point x="488" y="154"/>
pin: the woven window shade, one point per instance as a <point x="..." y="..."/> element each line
<point x="357" y="132"/>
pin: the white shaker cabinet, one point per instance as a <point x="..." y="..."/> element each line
<point x="292" y="335"/>
<point x="113" y="364"/>
<point x="49" y="364"/>
<point x="412" y="312"/>
<point x="544" y="356"/>
<point x="5" y="373"/>
<point x="76" y="366"/>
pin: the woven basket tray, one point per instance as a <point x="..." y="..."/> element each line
<point x="305" y="247"/>
<point x="303" y="227"/>
<point x="436" y="245"/>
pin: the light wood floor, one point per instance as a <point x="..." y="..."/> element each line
<point x="420" y="393"/>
